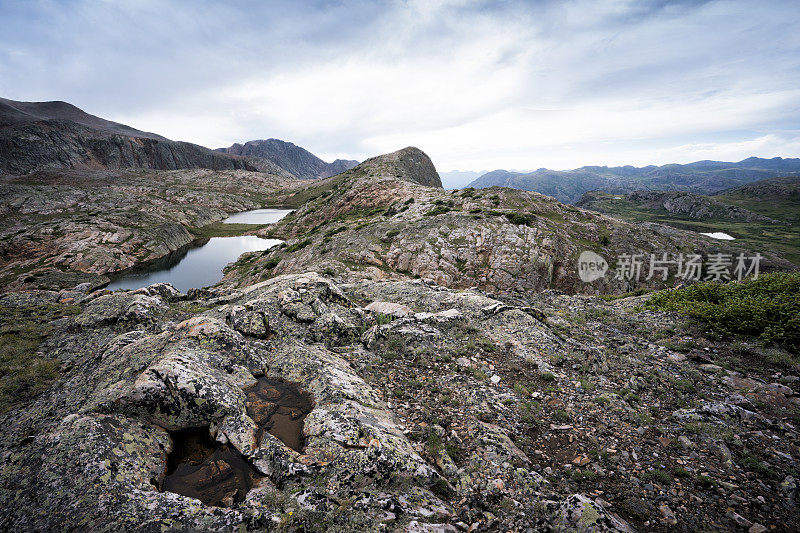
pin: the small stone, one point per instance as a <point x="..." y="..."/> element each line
<point x="669" y="516"/>
<point x="757" y="528"/>
<point x="495" y="379"/>
<point x="739" y="519"/>
<point x="390" y="308"/>
<point x="581" y="460"/>
<point x="685" y="442"/>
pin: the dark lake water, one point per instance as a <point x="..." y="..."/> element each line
<point x="257" y="216"/>
<point x="200" y="264"/>
<point x="197" y="265"/>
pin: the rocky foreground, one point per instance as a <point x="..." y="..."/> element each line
<point x="433" y="409"/>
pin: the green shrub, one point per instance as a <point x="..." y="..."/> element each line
<point x="679" y="471"/>
<point x="438" y="210"/>
<point x="561" y="415"/>
<point x="271" y="263"/>
<point x="705" y="481"/>
<point x="334" y="231"/>
<point x="767" y="307"/>
<point x="394" y="347"/>
<point x="298" y="246"/>
<point x="519" y="219"/>
<point x="583" y="475"/>
<point x="382" y="319"/>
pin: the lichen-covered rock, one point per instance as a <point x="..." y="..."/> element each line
<point x="390" y="308"/>
<point x="112" y="308"/>
<point x="579" y="513"/>
<point x="472" y="412"/>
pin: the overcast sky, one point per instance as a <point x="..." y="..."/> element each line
<point x="477" y="85"/>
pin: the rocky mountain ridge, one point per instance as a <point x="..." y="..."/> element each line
<point x="700" y="177"/>
<point x="13" y="112"/>
<point x="368" y="222"/>
<point x="294" y="159"/>
<point x="694" y="206"/>
<point x="52" y="135"/>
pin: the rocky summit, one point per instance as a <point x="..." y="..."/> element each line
<point x="409" y="359"/>
<point x="296" y="160"/>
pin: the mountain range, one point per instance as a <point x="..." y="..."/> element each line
<point x="701" y="177"/>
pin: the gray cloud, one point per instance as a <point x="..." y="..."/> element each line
<point x="476" y="84"/>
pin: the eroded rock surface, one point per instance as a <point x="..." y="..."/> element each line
<point x="466" y="412"/>
<point x="154" y="402"/>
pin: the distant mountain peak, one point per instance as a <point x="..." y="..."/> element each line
<point x="14" y="113"/>
<point x="294" y="159"/>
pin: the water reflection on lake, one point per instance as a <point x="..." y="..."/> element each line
<point x="197" y="265"/>
<point x="257" y="216"/>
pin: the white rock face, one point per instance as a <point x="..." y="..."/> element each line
<point x="390" y="308"/>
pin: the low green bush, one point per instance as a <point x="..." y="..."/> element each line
<point x="271" y="263"/>
<point x="767" y="307"/>
<point x="298" y="246"/>
<point x="519" y="219"/>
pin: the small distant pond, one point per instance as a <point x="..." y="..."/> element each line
<point x="198" y="265"/>
<point x="257" y="216"/>
<point x="719" y="235"/>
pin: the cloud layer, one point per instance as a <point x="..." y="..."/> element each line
<point x="478" y="85"/>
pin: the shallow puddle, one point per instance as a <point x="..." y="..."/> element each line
<point x="280" y="407"/>
<point x="217" y="474"/>
<point x="202" y="468"/>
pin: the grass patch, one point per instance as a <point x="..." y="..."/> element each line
<point x="271" y="263"/>
<point x="657" y="476"/>
<point x="219" y="229"/>
<point x="519" y="219"/>
<point x="547" y="376"/>
<point x="23" y="372"/>
<point x="394" y="347"/>
<point x="382" y="319"/>
<point x="438" y="210"/>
